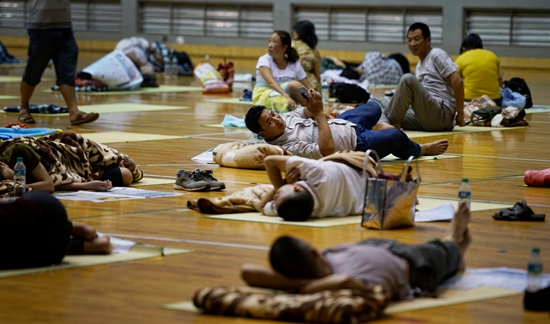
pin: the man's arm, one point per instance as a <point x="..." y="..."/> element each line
<point x="332" y="282"/>
<point x="314" y="110"/>
<point x="259" y="276"/>
<point x="458" y="89"/>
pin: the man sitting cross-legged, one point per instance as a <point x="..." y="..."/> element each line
<point x="298" y="266"/>
<point x="307" y="132"/>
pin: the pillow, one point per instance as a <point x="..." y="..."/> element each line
<point x="336" y="306"/>
<point x="245" y="155"/>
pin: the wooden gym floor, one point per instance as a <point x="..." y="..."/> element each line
<point x="131" y="292"/>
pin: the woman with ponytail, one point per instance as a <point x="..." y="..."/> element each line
<point x="305" y="41"/>
<point x="279" y="75"/>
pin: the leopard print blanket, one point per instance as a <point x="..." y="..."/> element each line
<point x="336" y="306"/>
<point x="70" y="157"/>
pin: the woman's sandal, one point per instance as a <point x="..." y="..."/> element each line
<point x="520" y="212"/>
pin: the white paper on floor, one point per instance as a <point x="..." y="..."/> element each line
<point x="508" y="278"/>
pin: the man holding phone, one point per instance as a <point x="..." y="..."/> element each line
<point x="307" y="132"/>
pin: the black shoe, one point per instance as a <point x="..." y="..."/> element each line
<point x="206" y="175"/>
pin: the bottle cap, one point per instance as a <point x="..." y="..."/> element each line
<point x="536" y="250"/>
<point x="464" y="180"/>
<point x="19" y="159"/>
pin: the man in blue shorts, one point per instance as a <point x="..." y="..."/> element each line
<point x="51" y="38"/>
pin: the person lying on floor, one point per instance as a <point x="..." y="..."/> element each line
<point x="312" y="188"/>
<point x="66" y="161"/>
<point x="403" y="270"/>
<point x="307" y="132"/>
<point x="35" y="232"/>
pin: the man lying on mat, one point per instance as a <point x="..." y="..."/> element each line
<point x="403" y="270"/>
<point x="66" y="161"/>
<point x="312" y="188"/>
<point x="307" y="132"/>
<point x="35" y="232"/>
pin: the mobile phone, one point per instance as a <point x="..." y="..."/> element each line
<point x="304" y="92"/>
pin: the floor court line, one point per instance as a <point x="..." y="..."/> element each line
<point x="501" y="157"/>
<point x="168" y="239"/>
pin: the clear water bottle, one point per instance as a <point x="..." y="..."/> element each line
<point x="174" y="64"/>
<point x="19" y="180"/>
<point x="168" y="69"/>
<point x="534" y="271"/>
<point x="324" y="90"/>
<point x="465" y="192"/>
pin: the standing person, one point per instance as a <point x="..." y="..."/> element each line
<point x="480" y="69"/>
<point x="432" y="100"/>
<point x="51" y="38"/>
<point x="279" y="75"/>
<point x="305" y="41"/>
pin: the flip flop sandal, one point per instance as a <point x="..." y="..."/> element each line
<point x="520" y="212"/>
<point x="26" y="120"/>
<point x="85" y="118"/>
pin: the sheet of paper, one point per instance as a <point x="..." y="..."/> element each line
<point x="94" y="196"/>
<point x="205" y="157"/>
<point x="141" y="193"/>
<point x="440" y="213"/>
<point x="508" y="278"/>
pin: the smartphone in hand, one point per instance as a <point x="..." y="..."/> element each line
<point x="304" y="91"/>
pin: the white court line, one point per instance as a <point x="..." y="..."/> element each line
<point x="500" y="157"/>
<point x="218" y="139"/>
<point x="224" y="133"/>
<point x="168" y="239"/>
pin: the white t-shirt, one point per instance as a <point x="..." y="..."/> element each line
<point x="337" y="189"/>
<point x="293" y="71"/>
<point x="433" y="71"/>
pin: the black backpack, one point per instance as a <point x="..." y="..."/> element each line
<point x="348" y="93"/>
<point x="520" y="86"/>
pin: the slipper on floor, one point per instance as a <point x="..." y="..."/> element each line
<point x="520" y="212"/>
<point x="26" y="120"/>
<point x="85" y="118"/>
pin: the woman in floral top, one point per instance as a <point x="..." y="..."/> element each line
<point x="304" y="42"/>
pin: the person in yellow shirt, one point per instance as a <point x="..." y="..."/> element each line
<point x="480" y="69"/>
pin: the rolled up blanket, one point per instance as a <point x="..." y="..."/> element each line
<point x="534" y="178"/>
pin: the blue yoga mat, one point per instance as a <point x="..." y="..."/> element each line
<point x="9" y="133"/>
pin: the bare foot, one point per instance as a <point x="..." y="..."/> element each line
<point x="99" y="245"/>
<point x="84" y="231"/>
<point x="459" y="225"/>
<point x="462" y="247"/>
<point x="382" y="126"/>
<point x="434" y="148"/>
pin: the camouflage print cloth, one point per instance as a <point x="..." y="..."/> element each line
<point x="70" y="157"/>
<point x="336" y="306"/>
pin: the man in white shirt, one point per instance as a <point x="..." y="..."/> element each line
<point x="312" y="188"/>
<point x="435" y="95"/>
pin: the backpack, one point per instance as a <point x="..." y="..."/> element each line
<point x="483" y="117"/>
<point x="519" y="85"/>
<point x="348" y="93"/>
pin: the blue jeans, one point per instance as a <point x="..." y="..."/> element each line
<point x="57" y="45"/>
<point x="384" y="142"/>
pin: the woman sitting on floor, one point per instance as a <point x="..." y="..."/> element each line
<point x="66" y="161"/>
<point x="279" y="75"/>
<point x="480" y="70"/>
<point x="305" y="41"/>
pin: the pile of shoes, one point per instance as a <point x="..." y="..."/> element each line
<point x="198" y="180"/>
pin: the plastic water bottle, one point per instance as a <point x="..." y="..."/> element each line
<point x="19" y="180"/>
<point x="324" y="90"/>
<point x="534" y="271"/>
<point x="465" y="192"/>
<point x="174" y="66"/>
<point x="168" y="69"/>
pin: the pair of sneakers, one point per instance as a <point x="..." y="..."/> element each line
<point x="198" y="180"/>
